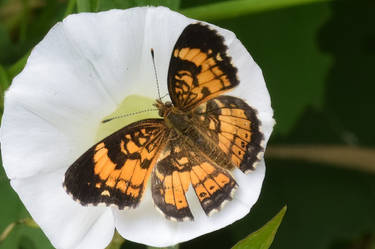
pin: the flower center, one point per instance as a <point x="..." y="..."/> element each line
<point x="133" y="108"/>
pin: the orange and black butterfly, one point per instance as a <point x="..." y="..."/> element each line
<point x="201" y="136"/>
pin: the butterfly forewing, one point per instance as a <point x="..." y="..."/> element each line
<point x="200" y="68"/>
<point x="115" y="170"/>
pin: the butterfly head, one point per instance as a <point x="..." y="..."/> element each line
<point x="164" y="108"/>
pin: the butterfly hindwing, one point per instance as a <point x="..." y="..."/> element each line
<point x="181" y="166"/>
<point x="200" y="68"/>
<point x="213" y="185"/>
<point x="234" y="127"/>
<point x="115" y="170"/>
<point x="171" y="180"/>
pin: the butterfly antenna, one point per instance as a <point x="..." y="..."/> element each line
<point x="165" y="95"/>
<point x="128" y="114"/>
<point x="156" y="75"/>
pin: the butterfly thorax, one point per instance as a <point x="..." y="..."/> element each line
<point x="183" y="125"/>
<point x="172" y="116"/>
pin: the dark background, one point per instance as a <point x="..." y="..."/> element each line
<point x="318" y="62"/>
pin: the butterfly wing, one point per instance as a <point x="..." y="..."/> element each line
<point x="181" y="165"/>
<point x="200" y="68"/>
<point x="115" y="170"/>
<point x="234" y="126"/>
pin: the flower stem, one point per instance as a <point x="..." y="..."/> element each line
<point x="27" y="221"/>
<point x="235" y="8"/>
<point x="7" y="231"/>
<point x="358" y="158"/>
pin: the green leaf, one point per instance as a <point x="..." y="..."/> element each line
<point x="4" y="79"/>
<point x="121" y="4"/>
<point x="23" y="234"/>
<point x="26" y="243"/>
<point x="70" y="8"/>
<point x="262" y="239"/>
<point x="235" y="8"/>
<point x="83" y="5"/>
<point x="4" y="84"/>
<point x="87" y="5"/>
<point x="284" y="45"/>
<point x="6" y="46"/>
<point x="18" y="66"/>
<point x="117" y="241"/>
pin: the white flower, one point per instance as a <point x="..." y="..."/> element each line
<point x="78" y="74"/>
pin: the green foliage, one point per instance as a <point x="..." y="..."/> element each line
<point x="263" y="238"/>
<point x="4" y="84"/>
<point x="116" y="242"/>
<point x="120" y="4"/>
<point x="289" y="57"/>
<point x="23" y="236"/>
<point x="317" y="58"/>
<point x="236" y="8"/>
<point x="87" y="5"/>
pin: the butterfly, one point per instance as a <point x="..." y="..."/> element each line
<point x="200" y="137"/>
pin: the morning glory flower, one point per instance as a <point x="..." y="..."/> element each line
<point x="80" y="73"/>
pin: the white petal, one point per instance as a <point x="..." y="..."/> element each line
<point x="74" y="77"/>
<point x="30" y="145"/>
<point x="162" y="29"/>
<point x="112" y="43"/>
<point x="148" y="226"/>
<point x="66" y="223"/>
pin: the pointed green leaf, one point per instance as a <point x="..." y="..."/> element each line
<point x="262" y="239"/>
<point x="117" y="241"/>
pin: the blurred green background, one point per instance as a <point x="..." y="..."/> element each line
<point x="318" y="59"/>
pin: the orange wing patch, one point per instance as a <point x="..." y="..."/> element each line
<point x="200" y="68"/>
<point x="213" y="185"/>
<point x="192" y="88"/>
<point x="116" y="170"/>
<point x="129" y="178"/>
<point x="234" y="127"/>
<point x="170" y="182"/>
